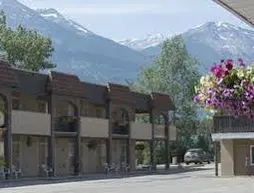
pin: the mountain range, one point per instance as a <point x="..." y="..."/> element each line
<point x="208" y="43"/>
<point x="98" y="59"/>
<point x="77" y="50"/>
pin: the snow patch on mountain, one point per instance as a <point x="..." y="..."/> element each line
<point x="225" y="38"/>
<point x="140" y="44"/>
<point x="54" y="16"/>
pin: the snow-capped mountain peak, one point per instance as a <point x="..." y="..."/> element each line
<point x="217" y="26"/>
<point x="54" y="16"/>
<point x="225" y="34"/>
<point x="140" y="44"/>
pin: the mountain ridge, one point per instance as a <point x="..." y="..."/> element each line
<point x="98" y="59"/>
<point x="140" y="44"/>
<point x="92" y="57"/>
<point x="209" y="43"/>
<point x="53" y="15"/>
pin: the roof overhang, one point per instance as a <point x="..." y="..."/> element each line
<point x="238" y="135"/>
<point x="243" y="9"/>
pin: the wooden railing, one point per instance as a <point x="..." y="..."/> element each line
<point x="230" y="124"/>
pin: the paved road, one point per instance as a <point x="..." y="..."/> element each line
<point x="190" y="182"/>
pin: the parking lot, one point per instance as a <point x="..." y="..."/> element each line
<point x="202" y="181"/>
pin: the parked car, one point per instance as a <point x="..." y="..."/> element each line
<point x="197" y="156"/>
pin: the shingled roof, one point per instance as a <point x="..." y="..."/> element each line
<point x="162" y="101"/>
<point x="142" y="102"/>
<point x="31" y="82"/>
<point x="70" y="85"/>
<point x="120" y="94"/>
<point x="243" y="9"/>
<point x="65" y="84"/>
<point x="7" y="75"/>
<point x="95" y="93"/>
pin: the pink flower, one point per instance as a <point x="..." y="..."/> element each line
<point x="228" y="92"/>
<point x="240" y="60"/>
<point x="197" y="99"/>
<point x="244" y="83"/>
<point x="213" y="68"/>
<point x="229" y="64"/>
<point x="226" y="73"/>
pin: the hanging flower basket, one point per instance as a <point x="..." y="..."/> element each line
<point x="228" y="88"/>
<point x="92" y="144"/>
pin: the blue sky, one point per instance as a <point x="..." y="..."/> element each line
<point x="121" y="19"/>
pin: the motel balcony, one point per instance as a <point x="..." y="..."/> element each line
<point x="159" y="131"/>
<point x="141" y="131"/>
<point x="94" y="127"/>
<point x="30" y="123"/>
<point x="230" y="124"/>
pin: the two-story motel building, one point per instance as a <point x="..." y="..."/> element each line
<point x="75" y="127"/>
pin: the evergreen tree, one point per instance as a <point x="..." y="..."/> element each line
<point x="174" y="72"/>
<point x="23" y="48"/>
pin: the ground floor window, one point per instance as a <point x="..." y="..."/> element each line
<point x="71" y="155"/>
<point x="101" y="153"/>
<point x="1" y="152"/>
<point x="252" y="154"/>
<point x="16" y="153"/>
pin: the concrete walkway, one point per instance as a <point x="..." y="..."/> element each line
<point x="99" y="176"/>
<point x="197" y="181"/>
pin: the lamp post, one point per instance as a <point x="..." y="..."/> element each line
<point x="171" y="120"/>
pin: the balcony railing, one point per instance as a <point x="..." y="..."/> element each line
<point x="159" y="131"/>
<point x="142" y="131"/>
<point x="120" y="129"/>
<point x="33" y="123"/>
<point x="66" y="124"/>
<point x="230" y="124"/>
<point x="94" y="127"/>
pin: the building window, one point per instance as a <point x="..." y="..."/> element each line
<point x="43" y="153"/>
<point x="252" y="155"/>
<point x="71" y="110"/>
<point x="71" y="156"/>
<point x="124" y="116"/>
<point x="15" y="103"/>
<point x="123" y="157"/>
<point x="42" y="106"/>
<point x="98" y="113"/>
<point x="85" y="109"/>
<point x="16" y="153"/>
